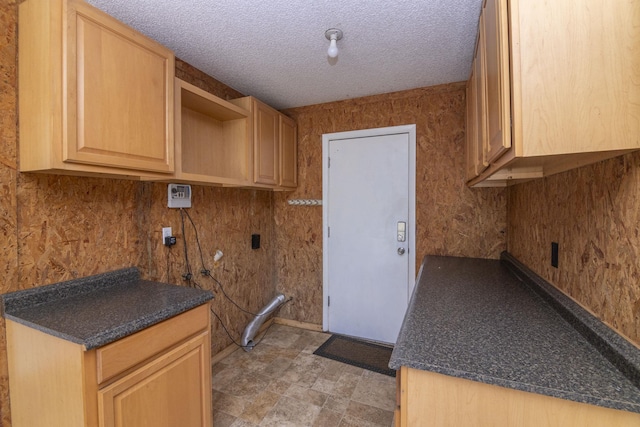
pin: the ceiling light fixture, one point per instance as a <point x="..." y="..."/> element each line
<point x="333" y="34"/>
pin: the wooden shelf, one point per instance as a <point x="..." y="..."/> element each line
<point x="213" y="138"/>
<point x="215" y="108"/>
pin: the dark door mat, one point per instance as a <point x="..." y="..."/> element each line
<point x="358" y="353"/>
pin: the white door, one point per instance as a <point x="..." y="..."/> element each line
<point x="368" y="215"/>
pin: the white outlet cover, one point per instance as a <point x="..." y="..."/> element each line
<point x="166" y="232"/>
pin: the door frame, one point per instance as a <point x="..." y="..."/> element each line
<point x="411" y="226"/>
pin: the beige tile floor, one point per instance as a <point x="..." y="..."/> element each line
<point x="282" y="383"/>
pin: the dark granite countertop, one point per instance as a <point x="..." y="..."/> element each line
<point x="483" y="320"/>
<point x="96" y="310"/>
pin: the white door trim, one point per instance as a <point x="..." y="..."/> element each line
<point x="411" y="230"/>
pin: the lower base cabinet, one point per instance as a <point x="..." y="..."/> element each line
<point x="429" y="399"/>
<point x="158" y="377"/>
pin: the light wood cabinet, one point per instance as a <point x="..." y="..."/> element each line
<point x="241" y="142"/>
<point x="173" y="379"/>
<point x="495" y="48"/>
<point x="561" y="86"/>
<point x="476" y="113"/>
<point x="160" y="376"/>
<point x="275" y="146"/>
<point x="266" y="144"/>
<point x="471" y="123"/>
<point x="430" y="399"/>
<point x="288" y="153"/>
<point x="96" y="97"/>
<point x="213" y="139"/>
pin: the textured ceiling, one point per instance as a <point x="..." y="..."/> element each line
<point x="276" y="50"/>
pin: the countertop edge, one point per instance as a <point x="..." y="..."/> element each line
<point x="131" y="328"/>
<point x="14" y="303"/>
<point x="46" y="330"/>
<point x="121" y="331"/>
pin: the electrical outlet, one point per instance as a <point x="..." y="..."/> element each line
<point x="554" y="254"/>
<point x="255" y="241"/>
<point x="166" y="232"/>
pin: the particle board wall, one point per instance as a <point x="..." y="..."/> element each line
<point x="72" y="227"/>
<point x="8" y="179"/>
<point x="224" y="219"/>
<point x="8" y="138"/>
<point x="451" y="218"/>
<point x="191" y="74"/>
<point x="594" y="214"/>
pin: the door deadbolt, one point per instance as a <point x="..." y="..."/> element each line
<point x="400" y="251"/>
<point x="402" y="231"/>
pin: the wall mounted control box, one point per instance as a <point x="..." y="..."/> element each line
<point x="179" y="196"/>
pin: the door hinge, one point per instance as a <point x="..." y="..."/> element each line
<point x="328" y="301"/>
<point x="328" y="162"/>
<point x="328" y="231"/>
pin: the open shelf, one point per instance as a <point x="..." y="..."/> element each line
<point x="213" y="138"/>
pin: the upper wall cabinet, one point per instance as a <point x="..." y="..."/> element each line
<point x="241" y="143"/>
<point x="495" y="71"/>
<point x="213" y="139"/>
<point x="213" y="143"/>
<point x="275" y="147"/>
<point x="562" y="87"/>
<point x="476" y="112"/>
<point x="266" y="140"/>
<point x="95" y="97"/>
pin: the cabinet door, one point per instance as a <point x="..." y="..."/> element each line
<point x="494" y="24"/>
<point x="171" y="390"/>
<point x="471" y="123"/>
<point x="266" y="144"/>
<point x="288" y="153"/>
<point x="476" y="112"/>
<point x="479" y="72"/>
<point x="120" y="94"/>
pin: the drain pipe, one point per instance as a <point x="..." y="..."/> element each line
<point x="252" y="328"/>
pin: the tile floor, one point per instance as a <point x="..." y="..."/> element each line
<point x="282" y="383"/>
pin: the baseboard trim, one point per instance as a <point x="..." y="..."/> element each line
<point x="297" y="324"/>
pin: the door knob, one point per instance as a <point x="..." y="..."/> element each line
<point x="400" y="251"/>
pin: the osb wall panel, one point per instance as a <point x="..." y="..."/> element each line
<point x="451" y="218"/>
<point x="191" y="74"/>
<point x="594" y="214"/>
<point x="8" y="214"/>
<point x="224" y="219"/>
<point x="73" y="227"/>
<point x="8" y="138"/>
